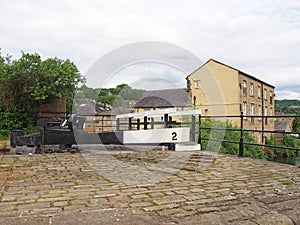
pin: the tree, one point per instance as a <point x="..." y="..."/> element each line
<point x="296" y="124"/>
<point x="28" y="82"/>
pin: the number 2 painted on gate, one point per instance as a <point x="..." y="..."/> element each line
<point x="174" y="136"/>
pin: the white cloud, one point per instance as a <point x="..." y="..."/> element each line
<point x="260" y="37"/>
<point x="287" y="95"/>
<point x="149" y="76"/>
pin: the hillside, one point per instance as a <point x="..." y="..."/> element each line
<point x="110" y="95"/>
<point x="288" y="106"/>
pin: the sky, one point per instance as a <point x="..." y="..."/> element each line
<point x="258" y="37"/>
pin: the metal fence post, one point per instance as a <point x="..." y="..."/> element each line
<point x="138" y="124"/>
<point x="199" y="130"/>
<point x="42" y="149"/>
<point x="241" y="143"/>
<point x="145" y="122"/>
<point x="193" y="127"/>
<point x="130" y="123"/>
<point x="170" y="122"/>
<point x="166" y="120"/>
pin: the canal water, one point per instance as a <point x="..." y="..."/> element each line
<point x="292" y="160"/>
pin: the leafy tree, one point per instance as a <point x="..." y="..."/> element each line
<point x="296" y="124"/>
<point x="87" y="92"/>
<point x="287" y="106"/>
<point x="29" y="82"/>
<point x="113" y="96"/>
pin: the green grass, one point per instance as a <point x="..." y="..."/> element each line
<point x="287" y="182"/>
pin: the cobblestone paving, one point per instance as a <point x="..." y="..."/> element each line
<point x="230" y="190"/>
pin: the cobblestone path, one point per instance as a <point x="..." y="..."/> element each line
<point x="228" y="190"/>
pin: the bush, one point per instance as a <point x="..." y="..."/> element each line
<point x="13" y="120"/>
<point x="229" y="135"/>
<point x="288" y="141"/>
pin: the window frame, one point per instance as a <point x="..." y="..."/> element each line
<point x="197" y="84"/>
<point x="252" y="89"/>
<point x="244" y="88"/>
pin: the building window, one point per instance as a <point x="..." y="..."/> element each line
<point x="258" y="138"/>
<point x="197" y="84"/>
<point x="259" y="92"/>
<point x="259" y="112"/>
<point x="271" y="97"/>
<point x="251" y="89"/>
<point x="265" y="94"/>
<point x="266" y="115"/>
<point x="252" y="112"/>
<point x="245" y="108"/>
<point x="244" y="88"/>
<point x="271" y="112"/>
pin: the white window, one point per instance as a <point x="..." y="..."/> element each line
<point x="259" y="111"/>
<point x="197" y="84"/>
<point x="252" y="109"/>
<point x="244" y="88"/>
<point x="245" y="108"/>
<point x="265" y="93"/>
<point x="258" y="91"/>
<point x="252" y="112"/>
<point x="266" y="114"/>
<point x="251" y="89"/>
<point x="271" y="111"/>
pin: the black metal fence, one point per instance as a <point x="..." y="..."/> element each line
<point x="195" y="122"/>
<point x="166" y="121"/>
<point x="241" y="143"/>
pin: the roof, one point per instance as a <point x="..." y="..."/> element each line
<point x="164" y="99"/>
<point x="239" y="71"/>
<point x="281" y="126"/>
<point x="88" y="107"/>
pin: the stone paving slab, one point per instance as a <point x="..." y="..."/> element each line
<point x="142" y="187"/>
<point x="104" y="216"/>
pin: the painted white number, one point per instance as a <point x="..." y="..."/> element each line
<point x="174" y="136"/>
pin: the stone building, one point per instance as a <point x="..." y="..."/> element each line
<point x="219" y="89"/>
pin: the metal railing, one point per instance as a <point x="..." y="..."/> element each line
<point x="196" y="125"/>
<point x="241" y="143"/>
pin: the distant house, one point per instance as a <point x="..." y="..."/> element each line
<point x="99" y="116"/>
<point x="283" y="123"/>
<point x="163" y="99"/>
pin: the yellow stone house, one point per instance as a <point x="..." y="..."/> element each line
<point x="219" y="89"/>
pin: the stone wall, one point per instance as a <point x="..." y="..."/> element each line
<point x="56" y="109"/>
